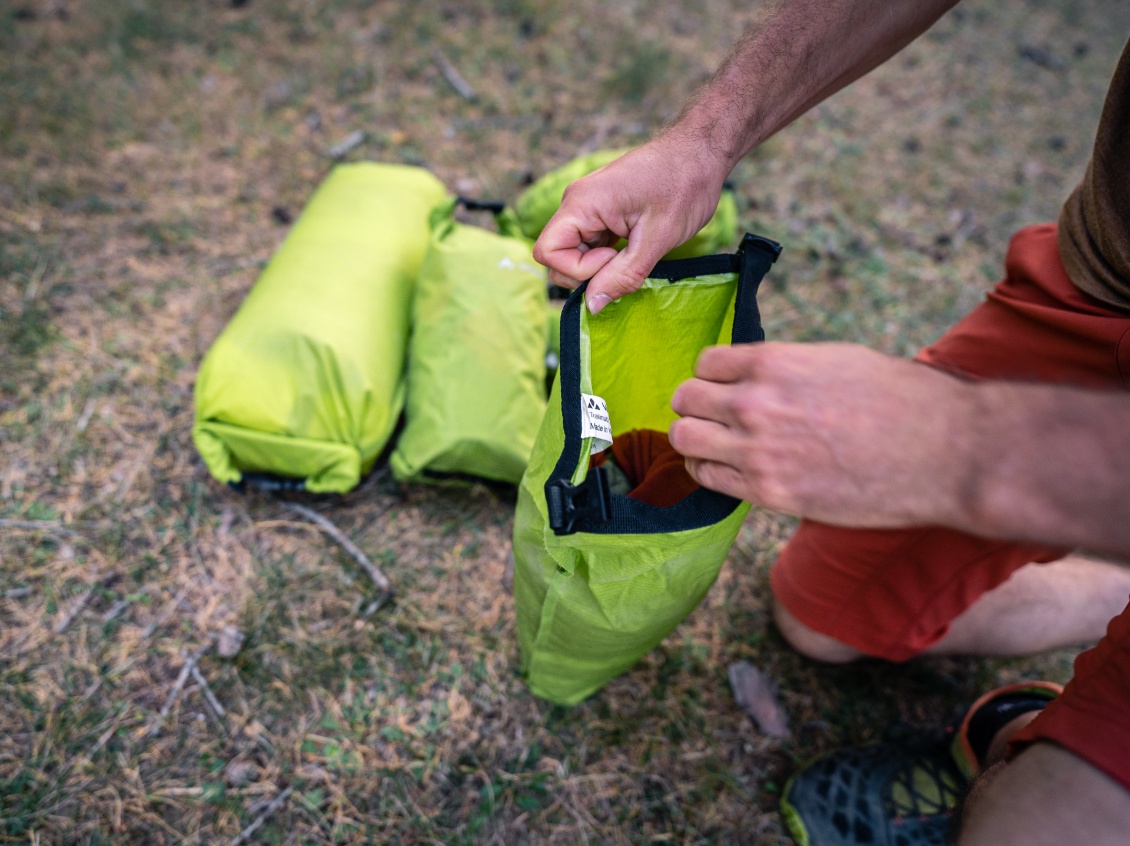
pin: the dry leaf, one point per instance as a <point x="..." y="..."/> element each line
<point x="229" y="642"/>
<point x="756" y="693"/>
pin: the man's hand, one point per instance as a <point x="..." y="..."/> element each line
<point x="794" y="54"/>
<point x="833" y="432"/>
<point x="656" y="196"/>
<point x="839" y="433"/>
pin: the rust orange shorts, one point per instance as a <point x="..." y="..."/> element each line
<point x="1091" y="718"/>
<point x="892" y="594"/>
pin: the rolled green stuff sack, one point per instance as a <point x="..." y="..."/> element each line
<point x="539" y="202"/>
<point x="476" y="368"/>
<point x="601" y="576"/>
<point x="307" y="380"/>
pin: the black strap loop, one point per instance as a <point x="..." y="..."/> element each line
<point x="492" y="206"/>
<point x="268" y="483"/>
<point x="755" y="256"/>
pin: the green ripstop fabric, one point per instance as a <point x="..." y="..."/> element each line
<point x="553" y="330"/>
<point x="592" y="602"/>
<point x="476" y="366"/>
<point x="307" y="380"/>
<point x="540" y="201"/>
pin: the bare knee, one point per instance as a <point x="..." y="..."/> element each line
<point x="812" y="644"/>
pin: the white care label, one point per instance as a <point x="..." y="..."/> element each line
<point x="595" y="423"/>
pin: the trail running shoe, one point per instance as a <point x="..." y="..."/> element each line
<point x="887" y="794"/>
<point x="878" y="794"/>
<point x="972" y="736"/>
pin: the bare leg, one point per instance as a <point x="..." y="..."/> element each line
<point x="811" y="643"/>
<point x="1042" y="606"/>
<point x="1046" y="796"/>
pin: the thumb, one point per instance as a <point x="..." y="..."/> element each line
<point x="624" y="273"/>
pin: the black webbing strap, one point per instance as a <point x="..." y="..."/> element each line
<point x="268" y="483"/>
<point x="674" y="270"/>
<point x="492" y="206"/>
<point x="590" y="506"/>
<point x="756" y="255"/>
<point x="561" y="498"/>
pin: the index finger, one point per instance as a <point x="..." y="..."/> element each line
<point x="571" y="249"/>
<point x="727" y="364"/>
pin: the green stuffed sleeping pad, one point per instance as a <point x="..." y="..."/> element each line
<point x="307" y="380"/>
<point x="540" y="201"/>
<point x="476" y="367"/>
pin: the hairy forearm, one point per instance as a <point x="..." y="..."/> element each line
<point x="1047" y="464"/>
<point x="795" y="54"/>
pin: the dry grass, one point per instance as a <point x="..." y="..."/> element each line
<point x="147" y="150"/>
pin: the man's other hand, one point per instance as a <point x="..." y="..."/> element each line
<point x="833" y="432"/>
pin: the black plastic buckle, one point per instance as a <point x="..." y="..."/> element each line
<point x="571" y="505"/>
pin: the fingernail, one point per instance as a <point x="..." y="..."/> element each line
<point x="597" y="302"/>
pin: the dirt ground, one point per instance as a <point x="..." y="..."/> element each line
<point x="151" y="157"/>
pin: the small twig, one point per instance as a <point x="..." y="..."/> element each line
<point x="250" y="790"/>
<point x="345" y="145"/>
<point x="36" y="278"/>
<point x="18" y="593"/>
<point x="104" y="739"/>
<point x="166" y="613"/>
<point x="178" y="686"/>
<point x="182" y="791"/>
<point x="92" y="689"/>
<point x="334" y="532"/>
<point x="225" y="522"/>
<point x="135" y="468"/>
<point x="276" y="803"/>
<point x="115" y="609"/>
<point x="207" y="691"/>
<point x="37" y="526"/>
<point x="87" y="412"/>
<point x="376" y="605"/>
<point x="81" y="602"/>
<point x="452" y="75"/>
<point x="508" y="574"/>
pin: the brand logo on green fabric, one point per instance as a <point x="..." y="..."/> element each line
<point x="507" y="263"/>
<point x="595" y="422"/>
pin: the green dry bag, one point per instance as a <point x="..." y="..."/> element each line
<point x="476" y="364"/>
<point x="540" y="201"/>
<point x="307" y="380"/>
<point x="600" y="576"/>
